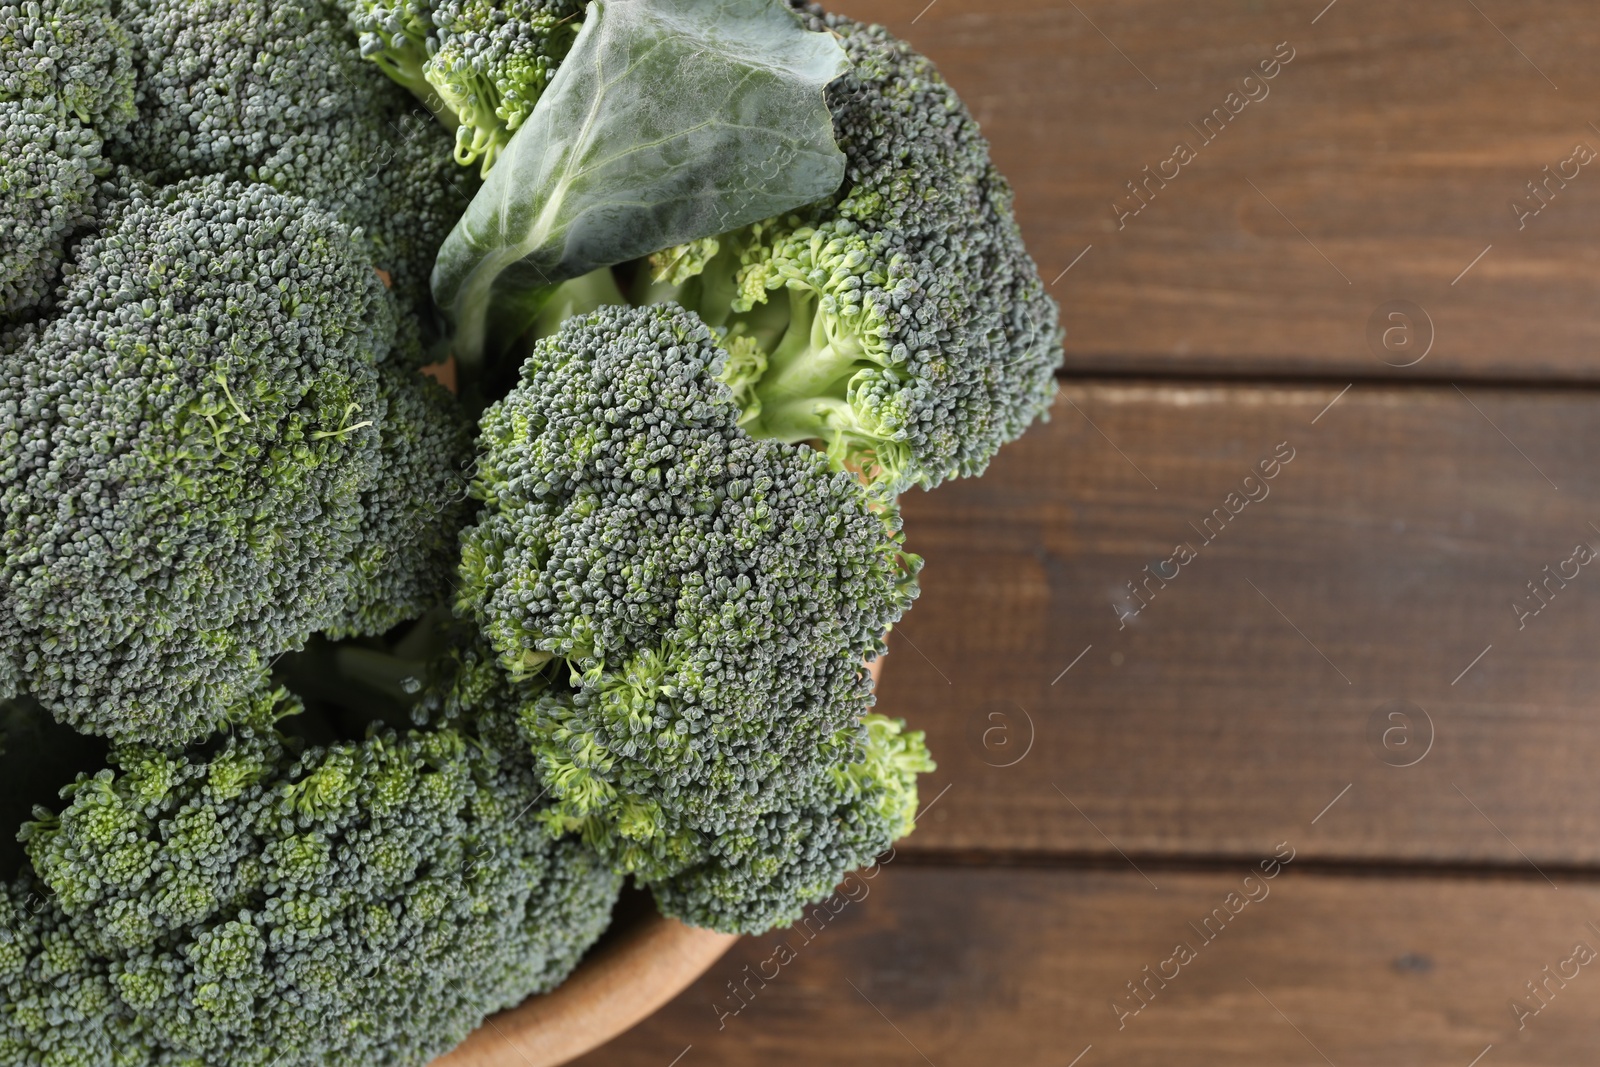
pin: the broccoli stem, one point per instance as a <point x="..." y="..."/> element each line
<point x="581" y="295"/>
<point x="717" y="289"/>
<point x="802" y="419"/>
<point x="710" y="292"/>
<point x="803" y="390"/>
<point x="403" y="63"/>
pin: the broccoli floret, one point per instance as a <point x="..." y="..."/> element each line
<point x="73" y="57"/>
<point x="406" y="550"/>
<point x="10" y="655"/>
<point x="713" y="597"/>
<point x="762" y="874"/>
<point x="479" y="64"/>
<point x="66" y="83"/>
<point x="49" y="170"/>
<point x="747" y="877"/>
<point x="277" y="92"/>
<point x="37" y="756"/>
<point x="901" y="322"/>
<point x="272" y="903"/>
<point x="183" y="450"/>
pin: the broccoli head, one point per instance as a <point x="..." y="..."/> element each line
<point x="901" y="322"/>
<point x="66" y="83"/>
<point x="406" y="550"/>
<point x="276" y="92"/>
<point x="270" y="902"/>
<point x="72" y="57"/>
<point x="479" y="64"/>
<point x="760" y="875"/>
<point x="49" y="171"/>
<point x="183" y="450"/>
<point x="712" y="597"/>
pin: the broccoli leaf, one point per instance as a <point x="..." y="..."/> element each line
<point x="669" y="121"/>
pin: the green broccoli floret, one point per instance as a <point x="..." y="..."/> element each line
<point x="271" y="903"/>
<point x="49" y="170"/>
<point x="406" y="550"/>
<point x="66" y="82"/>
<point x="183" y="451"/>
<point x="479" y="64"/>
<point x="278" y="93"/>
<point x="901" y="322"/>
<point x="71" y="56"/>
<point x="10" y="654"/>
<point x="712" y="597"/>
<point x="11" y="645"/>
<point x="37" y="756"/>
<point x="761" y="875"/>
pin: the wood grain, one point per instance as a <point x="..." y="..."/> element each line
<point x="1381" y="161"/>
<point x="979" y="967"/>
<point x="1237" y="704"/>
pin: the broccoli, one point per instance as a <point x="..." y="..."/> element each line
<point x="49" y="173"/>
<point x="66" y="83"/>
<point x="713" y="598"/>
<point x="37" y="756"/>
<point x="72" y="56"/>
<point x="754" y="877"/>
<point x="272" y="825"/>
<point x="406" y="548"/>
<point x="479" y="64"/>
<point x="10" y="654"/>
<point x="183" y="450"/>
<point x="912" y="334"/>
<point x="268" y="902"/>
<point x="276" y="92"/>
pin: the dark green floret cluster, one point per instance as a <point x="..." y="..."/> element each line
<point x="405" y="552"/>
<point x="66" y="82"/>
<point x="48" y="174"/>
<point x="271" y="91"/>
<point x="74" y="57"/>
<point x="449" y="467"/>
<point x="710" y="597"/>
<point x="200" y="461"/>
<point x="184" y="452"/>
<point x="273" y="901"/>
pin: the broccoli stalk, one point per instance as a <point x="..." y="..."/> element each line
<point x="396" y="39"/>
<point x="805" y="392"/>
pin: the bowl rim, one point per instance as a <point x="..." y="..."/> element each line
<point x="637" y="970"/>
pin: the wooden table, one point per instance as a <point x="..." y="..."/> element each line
<point x="1327" y="790"/>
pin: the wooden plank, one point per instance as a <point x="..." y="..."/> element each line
<point x="1377" y="165"/>
<point x="1378" y="565"/>
<point x="956" y="967"/>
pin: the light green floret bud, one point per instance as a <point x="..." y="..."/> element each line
<point x="269" y="902"/>
<point x="479" y="65"/>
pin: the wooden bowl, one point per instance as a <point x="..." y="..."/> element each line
<point x="643" y="961"/>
